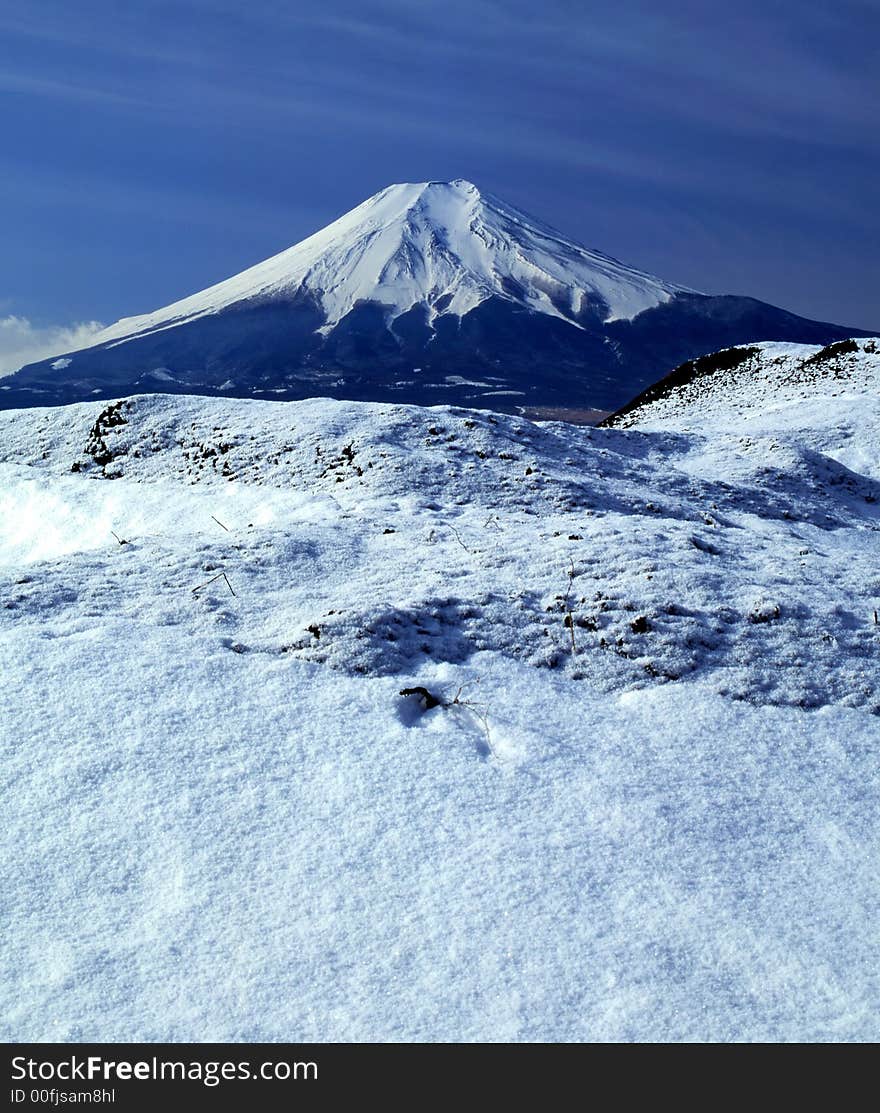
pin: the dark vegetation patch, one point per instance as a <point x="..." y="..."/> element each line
<point x="110" y="418"/>
<point x="832" y="351"/>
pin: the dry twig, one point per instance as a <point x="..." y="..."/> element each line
<point x="212" y="579"/>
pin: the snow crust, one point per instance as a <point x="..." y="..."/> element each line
<point x="645" y="807"/>
<point x="444" y="245"/>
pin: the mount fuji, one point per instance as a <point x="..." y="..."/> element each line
<point x="426" y="293"/>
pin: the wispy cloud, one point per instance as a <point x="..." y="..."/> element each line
<point x="22" y="342"/>
<point x="67" y="91"/>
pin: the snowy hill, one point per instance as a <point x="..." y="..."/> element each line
<point x="796" y="386"/>
<point x="426" y="293"/>
<point x="635" y="800"/>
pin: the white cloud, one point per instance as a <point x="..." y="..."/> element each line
<point x="22" y="343"/>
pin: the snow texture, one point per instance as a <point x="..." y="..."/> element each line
<point x="644" y="805"/>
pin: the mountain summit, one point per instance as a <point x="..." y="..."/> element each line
<point x="443" y="246"/>
<point x="426" y="292"/>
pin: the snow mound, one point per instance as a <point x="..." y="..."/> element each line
<point x="627" y="559"/>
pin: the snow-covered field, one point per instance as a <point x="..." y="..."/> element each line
<point x="644" y="807"/>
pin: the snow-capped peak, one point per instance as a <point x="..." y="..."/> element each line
<point x="444" y="245"/>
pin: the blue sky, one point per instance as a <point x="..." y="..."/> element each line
<point x="152" y="148"/>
